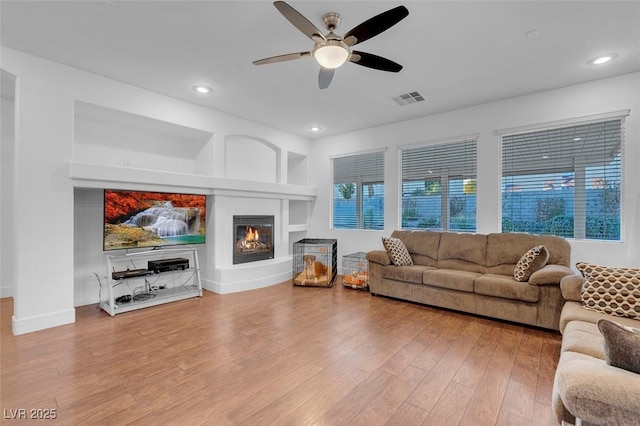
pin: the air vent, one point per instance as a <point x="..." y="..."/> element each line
<point x="408" y="98"/>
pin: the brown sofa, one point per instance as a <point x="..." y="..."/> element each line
<point x="474" y="273"/>
<point x="585" y="386"/>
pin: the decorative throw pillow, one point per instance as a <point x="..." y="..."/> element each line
<point x="397" y="251"/>
<point x="587" y="268"/>
<point x="614" y="291"/>
<point x="621" y="345"/>
<point x="530" y="262"/>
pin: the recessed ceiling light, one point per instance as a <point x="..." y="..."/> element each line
<point x="602" y="59"/>
<point x="202" y="89"/>
<point x="314" y="128"/>
<point x="545" y="157"/>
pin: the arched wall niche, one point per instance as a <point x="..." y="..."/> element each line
<point x="251" y="158"/>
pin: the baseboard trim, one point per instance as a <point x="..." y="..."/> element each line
<point x="235" y="287"/>
<point x="40" y="322"/>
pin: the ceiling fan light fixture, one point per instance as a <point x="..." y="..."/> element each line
<point x="331" y="54"/>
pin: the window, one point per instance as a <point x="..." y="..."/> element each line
<point x="358" y="191"/>
<point x="564" y="181"/>
<point x="439" y="187"/>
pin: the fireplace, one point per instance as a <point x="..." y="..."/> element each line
<point x="252" y="238"/>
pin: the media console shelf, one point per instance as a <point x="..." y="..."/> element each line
<point x="141" y="279"/>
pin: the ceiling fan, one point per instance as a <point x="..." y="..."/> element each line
<point x="331" y="50"/>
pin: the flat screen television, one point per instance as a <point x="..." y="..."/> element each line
<point x="139" y="219"/>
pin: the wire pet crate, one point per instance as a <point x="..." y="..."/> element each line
<point x="315" y="262"/>
<point x="355" y="271"/>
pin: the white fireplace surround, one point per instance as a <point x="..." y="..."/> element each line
<point x="224" y="276"/>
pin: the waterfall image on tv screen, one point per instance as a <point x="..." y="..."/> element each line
<point x="137" y="219"/>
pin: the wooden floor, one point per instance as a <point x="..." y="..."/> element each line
<point x="281" y="355"/>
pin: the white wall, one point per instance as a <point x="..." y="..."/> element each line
<point x="7" y="149"/>
<point x="87" y="240"/>
<point x="582" y="100"/>
<point x="56" y="247"/>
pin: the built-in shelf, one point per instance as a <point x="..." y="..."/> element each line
<point x="247" y="188"/>
<point x="87" y="175"/>
<point x="298" y="228"/>
<point x="90" y="175"/>
<point x="118" y="138"/>
<point x="119" y="149"/>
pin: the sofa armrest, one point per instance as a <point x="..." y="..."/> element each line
<point x="571" y="287"/>
<point x="550" y="274"/>
<point x="379" y="256"/>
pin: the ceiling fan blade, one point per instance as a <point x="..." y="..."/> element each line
<point x="374" y="61"/>
<point x="299" y="21"/>
<point x="282" y="58"/>
<point x="374" y="26"/>
<point x="325" y="77"/>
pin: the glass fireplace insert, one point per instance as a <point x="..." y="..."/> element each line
<point x="252" y="238"/>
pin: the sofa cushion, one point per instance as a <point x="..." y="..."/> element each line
<point x="409" y="273"/>
<point x="534" y="259"/>
<point x="583" y="337"/>
<point x="464" y="252"/>
<point x="614" y="291"/>
<point x="506" y="288"/>
<point x="397" y="251"/>
<point x="505" y="249"/>
<point x="621" y="345"/>
<point x="575" y="311"/>
<point x="450" y="279"/>
<point x="423" y="245"/>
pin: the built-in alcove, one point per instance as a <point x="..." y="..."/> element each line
<point x="298" y="212"/>
<point x="297" y="174"/>
<point x="297" y="168"/>
<point x="109" y="137"/>
<point x="253" y="159"/>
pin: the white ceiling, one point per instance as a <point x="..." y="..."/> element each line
<point x="455" y="53"/>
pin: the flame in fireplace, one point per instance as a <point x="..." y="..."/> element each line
<point x="252" y="234"/>
<point x="251" y="240"/>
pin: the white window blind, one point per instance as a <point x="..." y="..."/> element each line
<point x="564" y="181"/>
<point x="439" y="186"/>
<point x="358" y="191"/>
